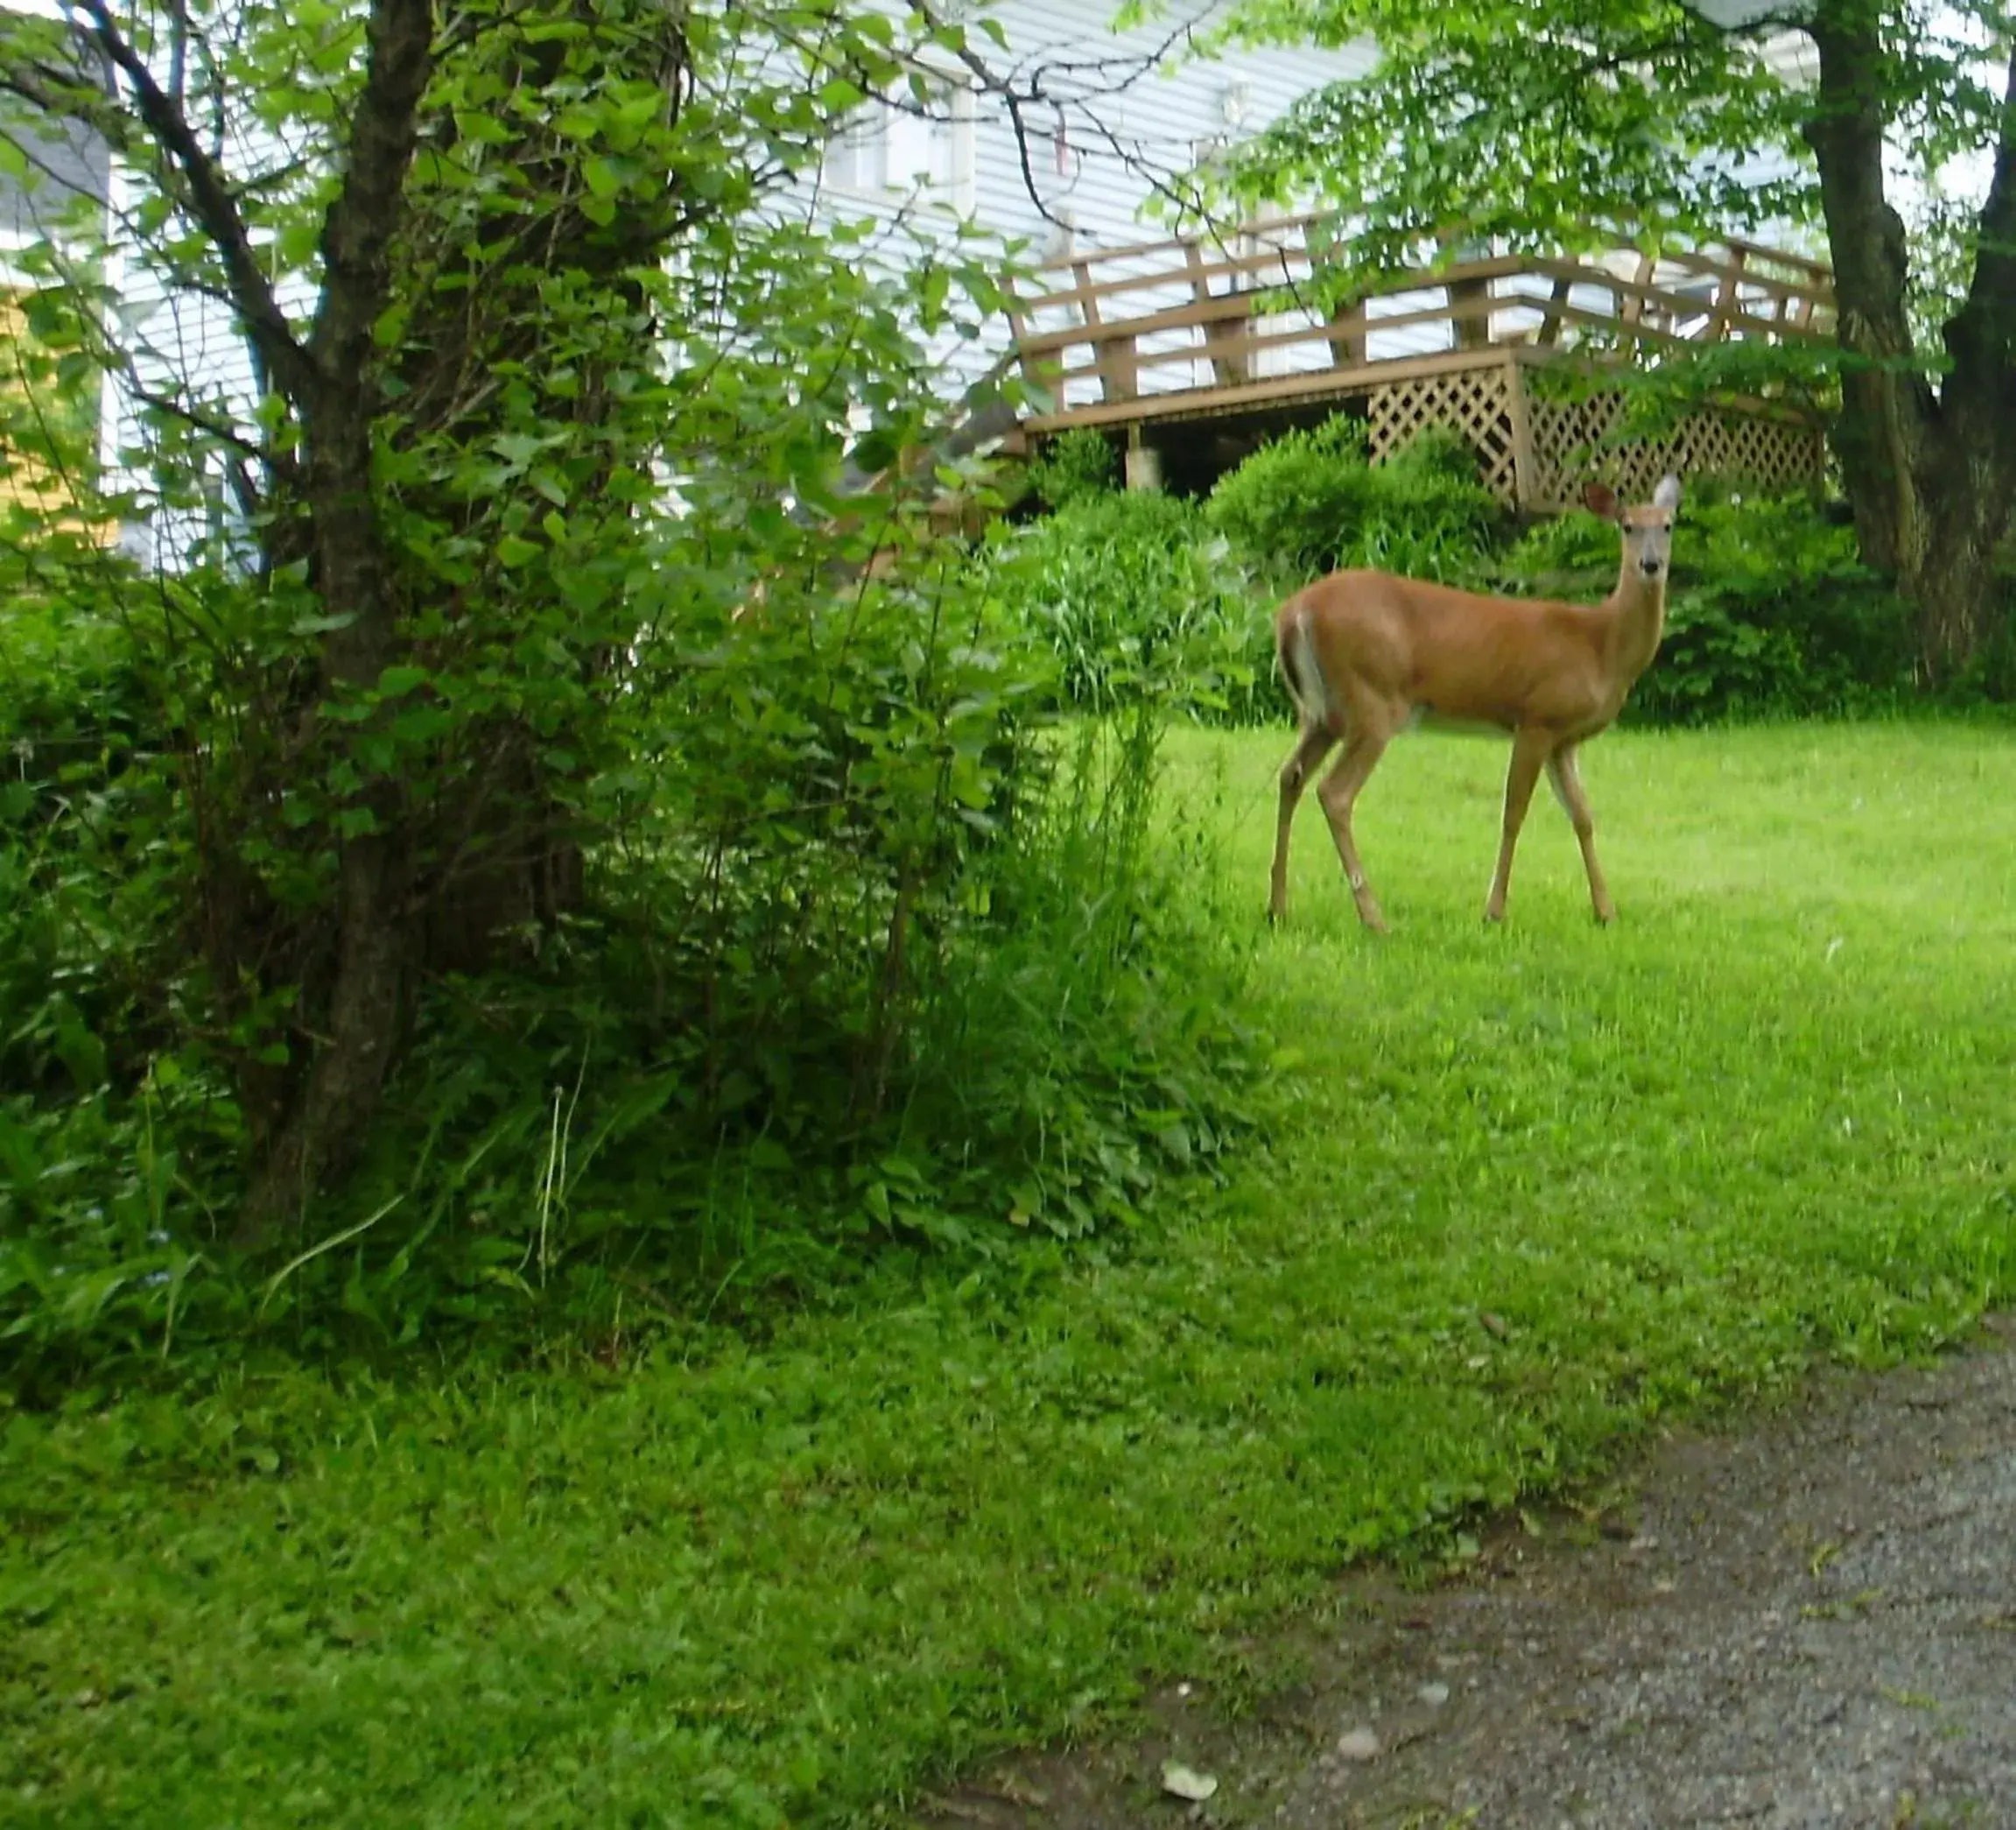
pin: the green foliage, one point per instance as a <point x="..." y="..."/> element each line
<point x="801" y="1575"/>
<point x="1484" y="115"/>
<point x="1309" y="502"/>
<point x="1132" y="599"/>
<point x="1076" y="465"/>
<point x="913" y="976"/>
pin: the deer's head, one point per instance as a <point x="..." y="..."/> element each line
<point x="1647" y="526"/>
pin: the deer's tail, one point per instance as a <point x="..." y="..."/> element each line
<point x="1294" y="654"/>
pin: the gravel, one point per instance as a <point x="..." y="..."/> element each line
<point x="1811" y="1623"/>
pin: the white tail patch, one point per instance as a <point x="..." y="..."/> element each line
<point x="1305" y="681"/>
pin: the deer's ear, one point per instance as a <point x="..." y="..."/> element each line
<point x="1667" y="496"/>
<point x="1601" y="499"/>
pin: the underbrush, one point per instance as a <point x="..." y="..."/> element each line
<point x="881" y="955"/>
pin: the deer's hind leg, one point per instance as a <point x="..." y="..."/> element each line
<point x="1313" y="744"/>
<point x="1369" y="728"/>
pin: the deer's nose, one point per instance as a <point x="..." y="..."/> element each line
<point x="1649" y="566"/>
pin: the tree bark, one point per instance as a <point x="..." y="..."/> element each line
<point x="323" y="1124"/>
<point x="1929" y="476"/>
<point x="1887" y="407"/>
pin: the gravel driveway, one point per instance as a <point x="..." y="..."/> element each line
<point x="1813" y="1623"/>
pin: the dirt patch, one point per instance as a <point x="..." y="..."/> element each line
<point x="1813" y="1623"/>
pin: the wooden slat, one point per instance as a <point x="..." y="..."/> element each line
<point x="1785" y="258"/>
<point x="1499" y="267"/>
<point x="1311" y="384"/>
<point x="1221" y="306"/>
<point x="1525" y="475"/>
<point x="1264" y="225"/>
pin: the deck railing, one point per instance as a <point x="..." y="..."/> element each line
<point x="1190" y="326"/>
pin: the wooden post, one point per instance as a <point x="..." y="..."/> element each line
<point x="1549" y="332"/>
<point x="1471" y="333"/>
<point x="1525" y="473"/>
<point x="1228" y="370"/>
<point x="1042" y="373"/>
<point x="1725" y="298"/>
<point x="1118" y="376"/>
<point x="1348" y="334"/>
<point x="1143" y="463"/>
<point x="1631" y="305"/>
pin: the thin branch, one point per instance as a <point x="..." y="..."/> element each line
<point x="214" y="207"/>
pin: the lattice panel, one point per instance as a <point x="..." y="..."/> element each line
<point x="1572" y="442"/>
<point x="1475" y="402"/>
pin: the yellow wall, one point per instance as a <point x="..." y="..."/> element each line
<point x="29" y="480"/>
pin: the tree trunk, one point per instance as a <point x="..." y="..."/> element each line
<point x="332" y="1113"/>
<point x="504" y="854"/>
<point x="1929" y="476"/>
<point x="1887" y="408"/>
<point x="1953" y="587"/>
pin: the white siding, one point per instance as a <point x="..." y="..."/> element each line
<point x="1093" y="158"/>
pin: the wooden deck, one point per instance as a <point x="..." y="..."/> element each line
<point x="1164" y="333"/>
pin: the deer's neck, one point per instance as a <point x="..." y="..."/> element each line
<point x="1637" y="611"/>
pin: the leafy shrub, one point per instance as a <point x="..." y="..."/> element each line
<point x="1076" y="465"/>
<point x="1132" y="599"/>
<point x="1309" y="502"/>
<point x="883" y="956"/>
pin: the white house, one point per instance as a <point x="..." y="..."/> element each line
<point x="1102" y="120"/>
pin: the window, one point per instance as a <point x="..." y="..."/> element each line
<point x="907" y="145"/>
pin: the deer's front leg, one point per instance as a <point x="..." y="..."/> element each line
<point x="1530" y="748"/>
<point x="1567" y="779"/>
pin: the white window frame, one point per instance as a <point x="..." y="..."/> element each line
<point x="883" y="126"/>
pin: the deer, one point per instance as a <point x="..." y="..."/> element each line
<point x="1364" y="655"/>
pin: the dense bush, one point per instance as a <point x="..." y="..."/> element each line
<point x="1309" y="502"/>
<point x="880" y="953"/>
<point x="1073" y="467"/>
<point x="1132" y="598"/>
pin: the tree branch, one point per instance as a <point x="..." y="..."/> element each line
<point x="1981" y="336"/>
<point x="210" y="200"/>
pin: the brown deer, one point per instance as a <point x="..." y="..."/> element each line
<point x="1363" y="654"/>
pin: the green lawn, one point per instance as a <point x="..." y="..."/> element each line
<point x="1768" y="1116"/>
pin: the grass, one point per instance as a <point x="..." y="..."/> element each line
<point x="790" y="1581"/>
